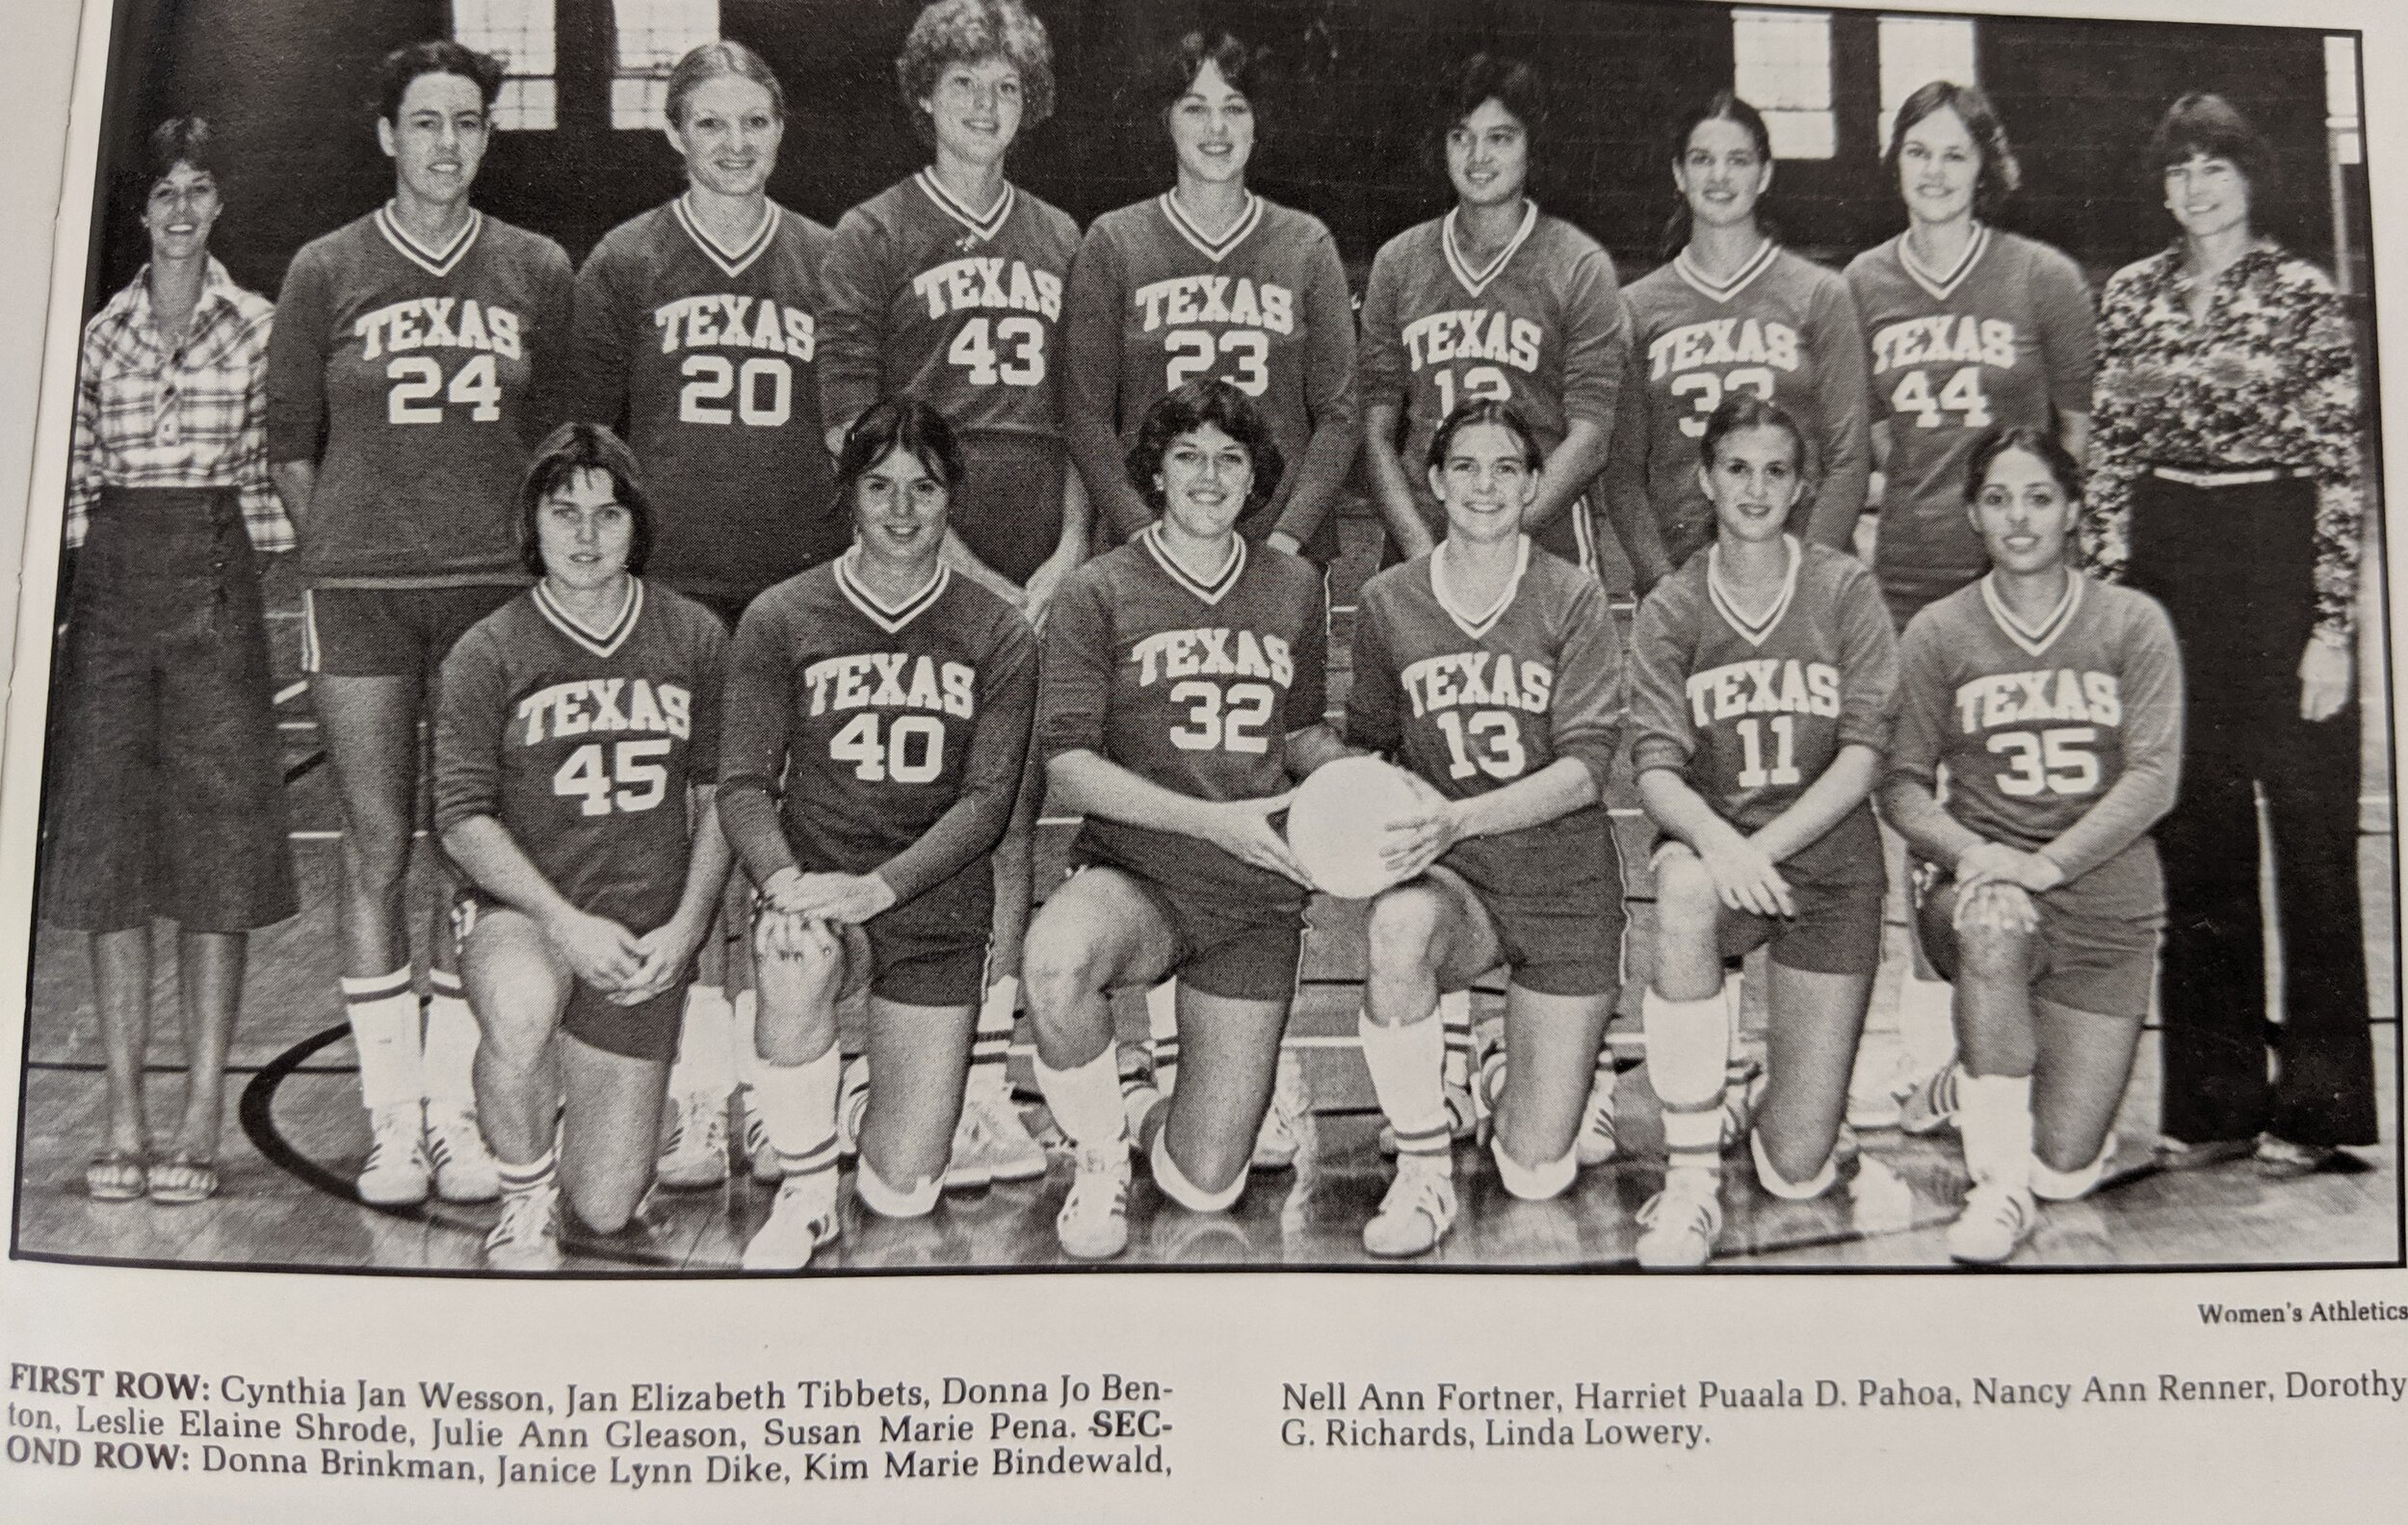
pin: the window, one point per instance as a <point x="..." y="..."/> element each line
<point x="1781" y="65"/>
<point x="1915" y="51"/>
<point x="521" y="34"/>
<point x="2340" y="100"/>
<point x="653" y="35"/>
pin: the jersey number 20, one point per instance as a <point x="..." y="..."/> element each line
<point x="764" y="390"/>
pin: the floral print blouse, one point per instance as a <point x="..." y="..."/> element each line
<point x="2268" y="378"/>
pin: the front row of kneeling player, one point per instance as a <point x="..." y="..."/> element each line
<point x="878" y="711"/>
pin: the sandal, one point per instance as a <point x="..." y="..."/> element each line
<point x="181" y="1180"/>
<point x="117" y="1175"/>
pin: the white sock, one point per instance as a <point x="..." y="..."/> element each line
<point x="1085" y="1101"/>
<point x="1455" y="1016"/>
<point x="1688" y="1048"/>
<point x="1769" y="1177"/>
<point x="742" y="1036"/>
<point x="1161" y="1034"/>
<point x="534" y="1175"/>
<point x="1927" y="1027"/>
<point x="1408" y="1075"/>
<point x="384" y="1014"/>
<point x="887" y="1201"/>
<point x="706" y="1049"/>
<point x="449" y="1069"/>
<point x="990" y="1051"/>
<point x="1534" y="1183"/>
<point x="2067" y="1186"/>
<point x="797" y="1105"/>
<point x="1994" y="1120"/>
<point x="1734" y="986"/>
<point x="1187" y="1193"/>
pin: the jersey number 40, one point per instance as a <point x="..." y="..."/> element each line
<point x="911" y="751"/>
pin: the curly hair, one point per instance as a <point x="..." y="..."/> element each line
<point x="1999" y="174"/>
<point x="441" y="56"/>
<point x="567" y="451"/>
<point x="949" y="31"/>
<point x="1189" y="407"/>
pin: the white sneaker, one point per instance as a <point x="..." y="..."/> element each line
<point x="695" y="1155"/>
<point x="802" y="1219"/>
<point x="1282" y="1134"/>
<point x="760" y="1155"/>
<point x="1995" y="1222"/>
<point x="394" y="1173"/>
<point x="852" y="1101"/>
<point x="1930" y="1106"/>
<point x="463" y="1166"/>
<point x="1681" y="1221"/>
<point x="1417" y="1210"/>
<point x="1461" y="1121"/>
<point x="527" y="1237"/>
<point x="1596" y="1141"/>
<point x="1876" y="1093"/>
<point x="1009" y="1152"/>
<point x="1094" y="1220"/>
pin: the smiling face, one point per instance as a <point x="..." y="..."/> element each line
<point x="1755" y="479"/>
<point x="729" y="135"/>
<point x="1939" y="165"/>
<point x="1204" y="479"/>
<point x="583" y="530"/>
<point x="1212" y="126"/>
<point x="1485" y="481"/>
<point x="437" y="138"/>
<point x="899" y="510"/>
<point x="1722" y="174"/>
<point x="1489" y="156"/>
<point x="183" y="206"/>
<point x="975" y="110"/>
<point x="2207" y="195"/>
<point x="2023" y="512"/>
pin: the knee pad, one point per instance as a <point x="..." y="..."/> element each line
<point x="888" y="1202"/>
<point x="1187" y="1193"/>
<point x="2067" y="1186"/>
<point x="1534" y="1184"/>
<point x="1769" y="1177"/>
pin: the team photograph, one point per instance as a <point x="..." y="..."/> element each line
<point x="741" y="638"/>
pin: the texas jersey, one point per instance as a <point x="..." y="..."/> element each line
<point x="582" y="744"/>
<point x="1783" y="329"/>
<point x="1473" y="700"/>
<point x="705" y="357"/>
<point x="1751" y="709"/>
<point x="1154" y="305"/>
<point x="867" y="724"/>
<point x="2037" y="727"/>
<point x="418" y="380"/>
<point x="1191" y="684"/>
<point x="1540" y="325"/>
<point x="961" y="309"/>
<point x="2005" y="339"/>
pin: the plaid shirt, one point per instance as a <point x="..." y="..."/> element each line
<point x="197" y="417"/>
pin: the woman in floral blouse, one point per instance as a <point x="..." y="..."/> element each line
<point x="2225" y="482"/>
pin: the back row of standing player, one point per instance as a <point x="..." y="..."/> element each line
<point x="418" y="350"/>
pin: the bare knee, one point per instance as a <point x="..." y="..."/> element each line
<point x="1403" y="936"/>
<point x="1993" y="955"/>
<point x="1060" y="967"/>
<point x="1687" y="905"/>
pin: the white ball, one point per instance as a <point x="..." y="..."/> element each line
<point x="1338" y="818"/>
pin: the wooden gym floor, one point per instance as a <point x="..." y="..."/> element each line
<point x="294" y="1132"/>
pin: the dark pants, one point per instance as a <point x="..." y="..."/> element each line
<point x="2234" y="566"/>
<point x="165" y="792"/>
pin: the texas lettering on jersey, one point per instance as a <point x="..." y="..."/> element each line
<point x="586" y="706"/>
<point x="1722" y="341"/>
<point x="1234" y="300"/>
<point x="730" y="320"/>
<point x="1496" y="680"/>
<point x="966" y="285"/>
<point x="437" y="323"/>
<point x="1764" y="686"/>
<point x="1943" y="338"/>
<point x="901" y="680"/>
<point x="1211" y="652"/>
<point x="1476" y="334"/>
<point x="2024" y="698"/>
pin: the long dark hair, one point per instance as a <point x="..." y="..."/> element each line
<point x="1208" y="400"/>
<point x="567" y="451"/>
<point x="1726" y="106"/>
<point x="2032" y="439"/>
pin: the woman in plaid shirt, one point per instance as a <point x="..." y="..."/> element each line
<point x="167" y="800"/>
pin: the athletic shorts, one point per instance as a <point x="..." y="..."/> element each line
<point x="167" y="793"/>
<point x="1837" y="929"/>
<point x="391" y="632"/>
<point x="1008" y="508"/>
<point x="647" y="1032"/>
<point x="1553" y="949"/>
<point x="2086" y="961"/>
<point x="1244" y="951"/>
<point x="912" y="960"/>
